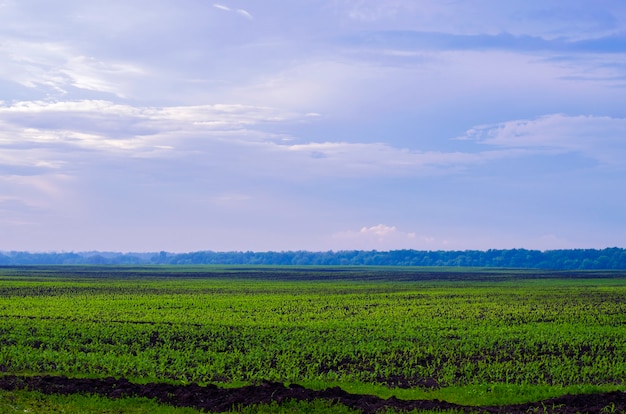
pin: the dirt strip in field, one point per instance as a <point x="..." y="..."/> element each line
<point x="215" y="399"/>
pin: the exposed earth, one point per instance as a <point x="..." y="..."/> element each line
<point x="215" y="399"/>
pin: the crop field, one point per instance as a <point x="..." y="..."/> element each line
<point x="473" y="338"/>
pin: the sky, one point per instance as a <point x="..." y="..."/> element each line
<point x="234" y="125"/>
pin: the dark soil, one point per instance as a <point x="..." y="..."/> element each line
<point x="212" y="398"/>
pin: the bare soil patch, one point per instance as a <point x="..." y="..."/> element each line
<point x="215" y="399"/>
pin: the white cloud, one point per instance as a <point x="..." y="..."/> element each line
<point x="244" y="13"/>
<point x="381" y="159"/>
<point x="240" y="12"/>
<point x="222" y="7"/>
<point x="146" y="122"/>
<point x="107" y="125"/>
<point x="27" y="161"/>
<point x="380" y="236"/>
<point x="89" y="73"/>
<point x="600" y="138"/>
<point x="380" y="230"/>
<point x="227" y="129"/>
<point x="39" y="134"/>
<point x="59" y="67"/>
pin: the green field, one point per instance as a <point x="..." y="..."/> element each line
<point x="468" y="336"/>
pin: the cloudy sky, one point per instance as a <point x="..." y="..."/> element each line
<point x="314" y="124"/>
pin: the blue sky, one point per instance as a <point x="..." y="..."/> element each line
<point x="317" y="124"/>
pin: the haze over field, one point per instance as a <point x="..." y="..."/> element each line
<point x="317" y="124"/>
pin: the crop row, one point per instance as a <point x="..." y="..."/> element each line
<point x="400" y="334"/>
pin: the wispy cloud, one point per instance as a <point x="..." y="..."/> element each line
<point x="222" y="7"/>
<point x="104" y="124"/>
<point x="38" y="134"/>
<point x="550" y="17"/>
<point x="240" y="12"/>
<point x="380" y="159"/>
<point x="600" y="138"/>
<point x="419" y="40"/>
<point x="244" y="13"/>
<point x="58" y="67"/>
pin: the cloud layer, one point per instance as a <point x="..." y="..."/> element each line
<point x="233" y="126"/>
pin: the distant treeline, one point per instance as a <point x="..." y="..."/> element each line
<point x="610" y="258"/>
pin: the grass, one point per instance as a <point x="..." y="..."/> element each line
<point x="36" y="402"/>
<point x="487" y="337"/>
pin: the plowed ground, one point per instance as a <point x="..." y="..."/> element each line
<point x="214" y="399"/>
